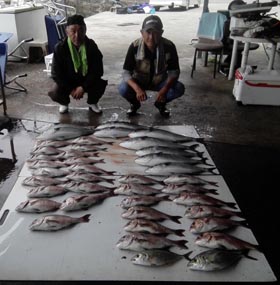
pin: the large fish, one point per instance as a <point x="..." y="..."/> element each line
<point x="215" y="259"/>
<point x="91" y="140"/>
<point x="46" y="191"/>
<point x="134" y="188"/>
<point x="142" y="201"/>
<point x="156" y="257"/>
<point x="56" y="222"/>
<point x="141" y="212"/>
<point x="223" y="241"/>
<point x="124" y="124"/>
<point x="162" y="134"/>
<point x="65" y="132"/>
<point x="141" y="241"/>
<point x="146" y="226"/>
<point x="185" y="178"/>
<point x="38" y="206"/>
<point x="210" y="224"/>
<point x="112" y="132"/>
<point x="82" y="202"/>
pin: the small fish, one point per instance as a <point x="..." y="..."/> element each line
<point x="142" y="201"/>
<point x="82" y="201"/>
<point x="88" y="177"/>
<point x="141" y="212"/>
<point x="138" y="178"/>
<point x="185" y="178"/>
<point x="146" y="226"/>
<point x="156" y="257"/>
<point x="35" y="164"/>
<point x="40" y="181"/>
<point x="163" y="134"/>
<point x="52" y="143"/>
<point x="88" y="148"/>
<point x="56" y="222"/>
<point x="38" y="206"/>
<point x="134" y="188"/>
<point x="141" y="241"/>
<point x="50" y="172"/>
<point x="215" y="259"/>
<point x="174" y="189"/>
<point x="191" y="199"/>
<point x="76" y="153"/>
<point x="91" y="140"/>
<point x="203" y="225"/>
<point x="46" y="191"/>
<point x="83" y="160"/>
<point x="223" y="241"/>
<point x="47" y="150"/>
<point x="88" y="168"/>
<point x="85" y="187"/>
<point x="202" y="211"/>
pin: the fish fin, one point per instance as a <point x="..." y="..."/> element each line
<point x="85" y="218"/>
<point x="182" y="243"/>
<point x="244" y="223"/>
<point x="193" y="146"/>
<point x="245" y="253"/>
<point x="176" y="219"/>
<point x="179" y="232"/>
<point x="231" y="205"/>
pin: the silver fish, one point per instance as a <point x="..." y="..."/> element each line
<point x="88" y="168"/>
<point x="141" y="142"/>
<point x="191" y="199"/>
<point x="155" y="257"/>
<point x="88" y="177"/>
<point x="56" y="222"/>
<point x="46" y="191"/>
<point x="142" y="201"/>
<point x="35" y="164"/>
<point x="134" y="188"/>
<point x="82" y="201"/>
<point x="146" y="226"/>
<point x="124" y="124"/>
<point x="141" y="241"/>
<point x="167" y="169"/>
<point x="64" y="132"/>
<point x="50" y="172"/>
<point x="215" y="259"/>
<point x="158" y="158"/>
<point x="76" y="153"/>
<point x="141" y="212"/>
<point x="52" y="143"/>
<point x="83" y="160"/>
<point x="203" y="225"/>
<point x="223" y="241"/>
<point x="202" y="211"/>
<point x="45" y="157"/>
<point x="162" y="134"/>
<point x="178" y="189"/>
<point x="190" y="179"/>
<point x="48" y="150"/>
<point x="40" y="181"/>
<point x="85" y="187"/>
<point x="38" y="206"/>
<point x="112" y="132"/>
<point x="88" y="148"/>
<point x="140" y="179"/>
<point x="91" y="140"/>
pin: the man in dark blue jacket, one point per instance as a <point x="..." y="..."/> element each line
<point x="77" y="68"/>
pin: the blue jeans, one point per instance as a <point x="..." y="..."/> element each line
<point x="176" y="91"/>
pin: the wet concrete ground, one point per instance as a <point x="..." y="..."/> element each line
<point x="243" y="141"/>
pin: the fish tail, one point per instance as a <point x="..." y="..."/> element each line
<point x="211" y="169"/>
<point x="200" y="140"/>
<point x="187" y="255"/>
<point x="85" y="218"/>
<point x="245" y="253"/>
<point x="231" y="205"/>
<point x="204" y="160"/>
<point x="101" y="160"/>
<point x="111" y="181"/>
<point x="213" y="191"/>
<point x="179" y="232"/>
<point x="181" y="243"/>
<point x="193" y="146"/>
<point x="176" y="219"/>
<point x="243" y="223"/>
<point x="213" y="183"/>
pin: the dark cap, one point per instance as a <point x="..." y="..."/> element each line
<point x="152" y="23"/>
<point x="76" y="20"/>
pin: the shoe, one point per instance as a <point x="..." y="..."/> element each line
<point x="95" y="108"/>
<point x="132" y="110"/>
<point x="63" y="109"/>
<point x="162" y="109"/>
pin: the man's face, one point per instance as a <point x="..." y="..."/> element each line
<point x="151" y="38"/>
<point x="77" y="34"/>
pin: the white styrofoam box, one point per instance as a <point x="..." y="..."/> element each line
<point x="48" y="62"/>
<point x="262" y="87"/>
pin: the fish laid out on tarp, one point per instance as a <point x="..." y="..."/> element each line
<point x="178" y="189"/>
<point x="47" y="150"/>
<point x="56" y="222"/>
<point x="191" y="199"/>
<point x="81" y="202"/>
<point x="40" y="181"/>
<point x="223" y="241"/>
<point x="50" y="172"/>
<point x="185" y="178"/>
<point x="210" y="224"/>
<point x="163" y="134"/>
<point x="138" y="178"/>
<point x="147" y="226"/>
<point x="124" y="124"/>
<point x="141" y="241"/>
<point x="85" y="187"/>
<point x="142" y="212"/>
<point x="156" y="257"/>
<point x="89" y="140"/>
<point x="46" y="191"/>
<point x="216" y="259"/>
<point x="88" y="177"/>
<point x="134" y="188"/>
<point x="38" y="206"/>
<point x="142" y="201"/>
<point x="37" y="164"/>
<point x="85" y="160"/>
<point x="203" y="211"/>
<point x="51" y="143"/>
<point x="88" y="168"/>
<point x="62" y="132"/>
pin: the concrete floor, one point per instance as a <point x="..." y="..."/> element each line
<point x="244" y="141"/>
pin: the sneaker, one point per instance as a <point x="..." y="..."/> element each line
<point x="162" y="109"/>
<point x="132" y="111"/>
<point x="63" y="109"/>
<point x="95" y="108"/>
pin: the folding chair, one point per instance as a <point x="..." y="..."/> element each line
<point x="210" y="35"/>
<point x="3" y="63"/>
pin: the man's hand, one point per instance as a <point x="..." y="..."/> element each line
<point x="161" y="96"/>
<point x="141" y="95"/>
<point x="78" y="93"/>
